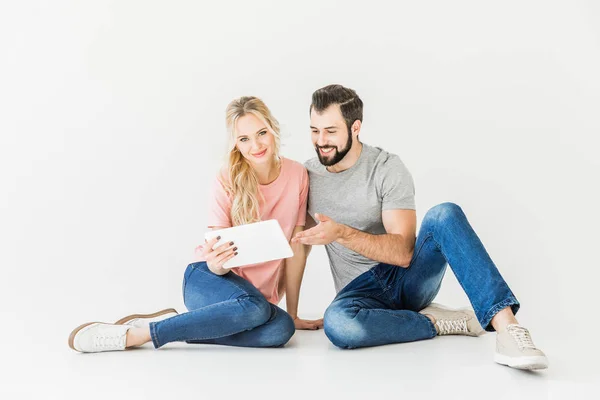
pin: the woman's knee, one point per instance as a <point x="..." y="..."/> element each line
<point x="257" y="310"/>
<point x="278" y="330"/>
<point x="283" y="328"/>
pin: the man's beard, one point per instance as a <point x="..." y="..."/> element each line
<point x="337" y="155"/>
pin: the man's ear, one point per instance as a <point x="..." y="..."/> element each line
<point x="355" y="129"/>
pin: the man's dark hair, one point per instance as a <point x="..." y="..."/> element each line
<point x="350" y="104"/>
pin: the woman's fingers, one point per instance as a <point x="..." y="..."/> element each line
<point x="313" y="325"/>
<point x="225" y="256"/>
<point x="308" y="325"/>
<point x="212" y="255"/>
<point x="223" y="247"/>
<point x="208" y="247"/>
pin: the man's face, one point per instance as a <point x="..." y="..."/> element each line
<point x="330" y="135"/>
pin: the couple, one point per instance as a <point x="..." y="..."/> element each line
<point x="361" y="207"/>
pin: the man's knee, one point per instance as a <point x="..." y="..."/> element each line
<point x="342" y="328"/>
<point x="445" y="212"/>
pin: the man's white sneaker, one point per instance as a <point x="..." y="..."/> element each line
<point x="515" y="349"/>
<point x="450" y="321"/>
<point x="95" y="337"/>
<point x="143" y="320"/>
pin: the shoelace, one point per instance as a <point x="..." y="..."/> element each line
<point x="521" y="336"/>
<point x="452" y="327"/>
<point x="109" y="341"/>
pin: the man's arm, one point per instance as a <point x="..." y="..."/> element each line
<point x="395" y="247"/>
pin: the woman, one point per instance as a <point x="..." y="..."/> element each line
<point x="231" y="307"/>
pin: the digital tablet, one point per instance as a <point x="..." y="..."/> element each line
<point x="257" y="242"/>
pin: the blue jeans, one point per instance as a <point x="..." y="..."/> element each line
<point x="382" y="305"/>
<point x="225" y="310"/>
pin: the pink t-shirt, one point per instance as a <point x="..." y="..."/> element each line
<point x="285" y="201"/>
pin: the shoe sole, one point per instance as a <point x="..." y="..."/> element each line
<point x="76" y="331"/>
<point x="128" y="318"/>
<point x="527" y="363"/>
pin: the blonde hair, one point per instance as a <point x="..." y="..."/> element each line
<point x="242" y="184"/>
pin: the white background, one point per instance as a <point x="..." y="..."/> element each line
<point x="112" y="125"/>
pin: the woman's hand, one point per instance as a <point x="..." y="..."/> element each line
<point x="215" y="258"/>
<point x="306" y="324"/>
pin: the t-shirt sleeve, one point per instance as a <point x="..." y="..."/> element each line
<point x="219" y="209"/>
<point x="397" y="185"/>
<point x="303" y="198"/>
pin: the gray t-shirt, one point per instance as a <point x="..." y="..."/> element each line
<point x="356" y="197"/>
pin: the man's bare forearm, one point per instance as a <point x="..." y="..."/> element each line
<point x="387" y="248"/>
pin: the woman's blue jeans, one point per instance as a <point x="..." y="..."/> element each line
<point x="225" y="309"/>
<point x="382" y="305"/>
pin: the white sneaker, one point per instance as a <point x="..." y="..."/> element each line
<point x="143" y="320"/>
<point x="515" y="349"/>
<point x="95" y="337"/>
<point x="450" y="321"/>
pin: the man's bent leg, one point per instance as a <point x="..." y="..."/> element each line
<point x="364" y="315"/>
<point x="446" y="234"/>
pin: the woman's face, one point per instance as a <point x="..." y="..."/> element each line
<point x="254" y="140"/>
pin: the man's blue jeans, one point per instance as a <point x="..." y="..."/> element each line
<point x="225" y="310"/>
<point x="382" y="305"/>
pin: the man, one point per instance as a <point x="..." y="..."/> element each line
<point x="386" y="277"/>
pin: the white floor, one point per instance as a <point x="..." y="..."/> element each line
<point x="308" y="367"/>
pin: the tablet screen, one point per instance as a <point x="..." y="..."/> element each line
<point x="257" y="243"/>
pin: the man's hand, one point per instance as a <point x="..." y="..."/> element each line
<point x="325" y="232"/>
<point x="306" y="324"/>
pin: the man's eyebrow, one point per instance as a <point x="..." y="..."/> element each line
<point x="327" y="127"/>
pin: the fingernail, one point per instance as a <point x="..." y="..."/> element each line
<point x="231" y="243"/>
<point x="218" y="237"/>
<point x="235" y="248"/>
<point x="235" y="254"/>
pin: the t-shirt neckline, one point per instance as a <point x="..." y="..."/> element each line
<point x="268" y="185"/>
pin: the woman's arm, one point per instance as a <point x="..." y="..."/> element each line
<point x="294" y="271"/>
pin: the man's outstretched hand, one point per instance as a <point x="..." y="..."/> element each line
<point x="325" y="232"/>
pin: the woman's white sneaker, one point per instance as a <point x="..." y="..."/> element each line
<point x="515" y="349"/>
<point x="95" y="337"/>
<point x="143" y="320"/>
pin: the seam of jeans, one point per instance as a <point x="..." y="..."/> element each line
<point x="415" y="255"/>
<point x="428" y="235"/>
<point x="154" y="335"/>
<point x="378" y="279"/>
<point x="185" y="282"/>
<point x="511" y="300"/>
